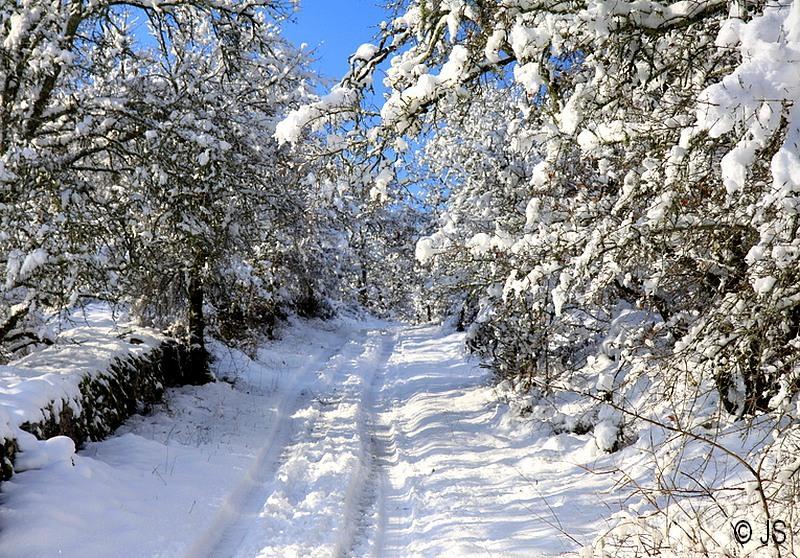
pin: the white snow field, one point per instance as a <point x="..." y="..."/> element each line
<point x="342" y="439"/>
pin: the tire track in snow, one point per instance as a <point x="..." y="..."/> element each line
<point x="229" y="528"/>
<point x="364" y="523"/>
<point x="313" y="503"/>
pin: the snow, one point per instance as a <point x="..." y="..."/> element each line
<point x="380" y="190"/>
<point x="427" y="247"/>
<point x="529" y="77"/>
<point x="570" y="116"/>
<point x="291" y="127"/>
<point x="365" y="52"/>
<point x="532" y="212"/>
<point x="89" y="342"/>
<point x="35" y="454"/>
<point x="605" y="434"/>
<point x="401" y="105"/>
<point x="343" y="438"/>
<point x="168" y="483"/>
<point x="763" y="285"/>
<point x="410" y="19"/>
<point x="493" y="45"/>
<point x="655" y="15"/>
<point x="526" y="42"/>
<point x="467" y="478"/>
<point x="454" y="70"/>
<point x="455" y="12"/>
<point x="34" y="260"/>
<point x="758" y="102"/>
<point x="19" y="23"/>
<point x="480" y="244"/>
<point x="12" y="268"/>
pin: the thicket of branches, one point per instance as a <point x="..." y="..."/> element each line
<point x="138" y="166"/>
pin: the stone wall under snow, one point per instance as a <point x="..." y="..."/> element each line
<point x="83" y="387"/>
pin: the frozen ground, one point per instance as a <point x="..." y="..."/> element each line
<point x="342" y="439"/>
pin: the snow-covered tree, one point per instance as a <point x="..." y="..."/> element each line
<point x="58" y="61"/>
<point x="371" y="202"/>
<point x="138" y="159"/>
<point x="206" y="186"/>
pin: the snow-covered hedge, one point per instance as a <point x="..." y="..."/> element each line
<point x="84" y="386"/>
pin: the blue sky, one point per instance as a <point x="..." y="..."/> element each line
<point x="335" y="29"/>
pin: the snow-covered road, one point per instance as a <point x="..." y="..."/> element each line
<point x="342" y="439"/>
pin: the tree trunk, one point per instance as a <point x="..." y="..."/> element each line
<point x="461" y="325"/>
<point x="198" y="357"/>
<point x="363" y="298"/>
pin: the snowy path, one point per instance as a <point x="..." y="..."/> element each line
<point x="323" y="475"/>
<point x="243" y="517"/>
<point x="467" y="478"/>
<point x="341" y="440"/>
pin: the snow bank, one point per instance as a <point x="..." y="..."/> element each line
<point x="96" y="374"/>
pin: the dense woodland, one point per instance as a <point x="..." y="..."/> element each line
<point x="604" y="195"/>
